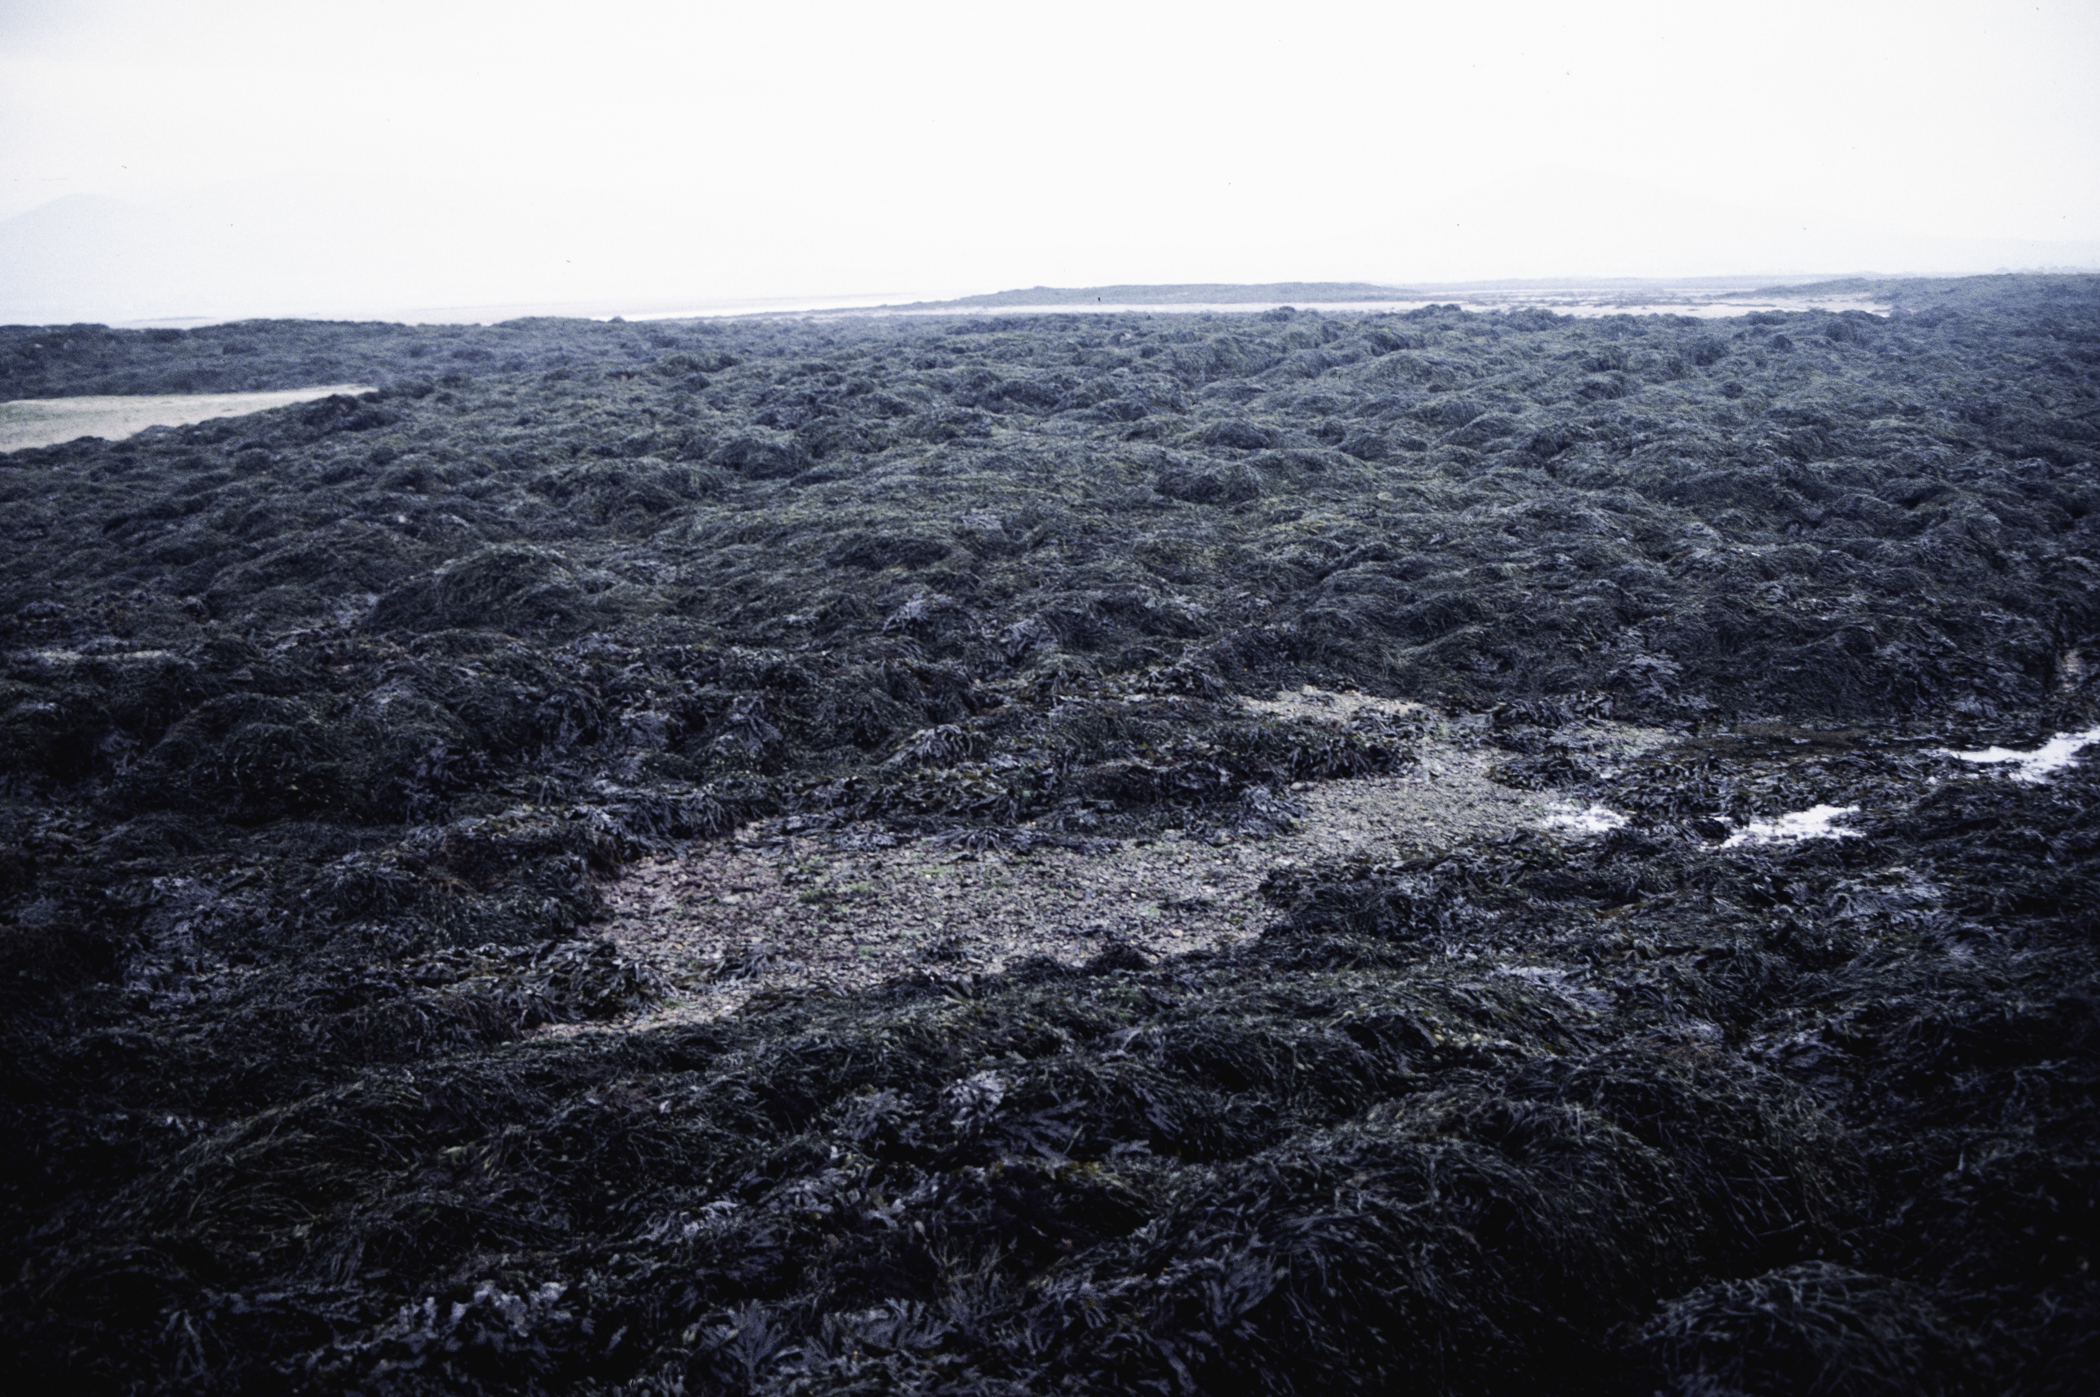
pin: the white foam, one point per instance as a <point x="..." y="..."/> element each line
<point x="2052" y="756"/>
<point x="1816" y="822"/>
<point x="1597" y="819"/>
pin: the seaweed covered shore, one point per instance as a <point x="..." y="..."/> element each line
<point x="360" y="762"/>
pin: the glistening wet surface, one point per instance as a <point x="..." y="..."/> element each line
<point x="1816" y="822"/>
<point x="28" y="422"/>
<point x="2036" y="765"/>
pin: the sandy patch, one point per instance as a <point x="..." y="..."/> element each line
<point x="772" y="909"/>
<point x="28" y="422"/>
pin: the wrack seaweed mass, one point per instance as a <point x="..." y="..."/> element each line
<point x="321" y="731"/>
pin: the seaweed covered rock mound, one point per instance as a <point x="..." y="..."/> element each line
<point x="1714" y="1010"/>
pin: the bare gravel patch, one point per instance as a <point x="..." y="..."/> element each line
<point x="774" y="908"/>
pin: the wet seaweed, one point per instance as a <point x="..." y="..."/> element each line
<point x="323" y="731"/>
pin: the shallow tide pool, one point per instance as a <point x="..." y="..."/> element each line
<point x="1816" y="822"/>
<point x="2038" y="765"/>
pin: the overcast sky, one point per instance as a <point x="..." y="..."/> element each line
<point x="434" y="152"/>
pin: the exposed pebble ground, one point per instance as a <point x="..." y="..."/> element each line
<point x="776" y="909"/>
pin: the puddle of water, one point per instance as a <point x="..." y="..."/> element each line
<point x="1816" y="822"/>
<point x="28" y="422"/>
<point x="2052" y="756"/>
<point x="1597" y="819"/>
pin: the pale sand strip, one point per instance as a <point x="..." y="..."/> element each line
<point x="27" y="422"/>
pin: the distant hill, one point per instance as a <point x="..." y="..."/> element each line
<point x="1947" y="293"/>
<point x="1187" y="293"/>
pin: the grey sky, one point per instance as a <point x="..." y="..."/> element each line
<point x="395" y="154"/>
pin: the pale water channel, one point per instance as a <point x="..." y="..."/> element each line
<point x="28" y="422"/>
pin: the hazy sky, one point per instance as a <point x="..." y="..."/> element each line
<point x="434" y="152"/>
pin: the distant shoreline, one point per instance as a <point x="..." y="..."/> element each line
<point x="1707" y="296"/>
